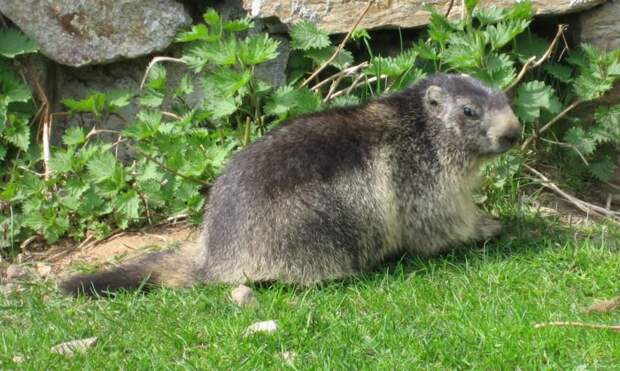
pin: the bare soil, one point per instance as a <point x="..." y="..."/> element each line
<point x="67" y="259"/>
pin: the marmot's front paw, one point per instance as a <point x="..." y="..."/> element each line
<point x="488" y="228"/>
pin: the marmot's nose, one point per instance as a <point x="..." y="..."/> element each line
<point x="512" y="135"/>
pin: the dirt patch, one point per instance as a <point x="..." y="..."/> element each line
<point x="65" y="260"/>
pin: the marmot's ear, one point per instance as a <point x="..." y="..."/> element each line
<point x="434" y="99"/>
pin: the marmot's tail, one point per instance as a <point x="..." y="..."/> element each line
<point x="171" y="268"/>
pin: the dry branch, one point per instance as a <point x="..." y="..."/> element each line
<point x="615" y="328"/>
<point x="46" y="120"/>
<point x="155" y="61"/>
<point x="605" y="306"/>
<point x="346" y="72"/>
<point x="356" y="84"/>
<point x="557" y="118"/>
<point x="339" y="48"/>
<point x="533" y="62"/>
<point x="586" y="207"/>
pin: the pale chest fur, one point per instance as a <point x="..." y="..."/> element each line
<point x="427" y="220"/>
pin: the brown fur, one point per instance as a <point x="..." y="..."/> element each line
<point x="333" y="193"/>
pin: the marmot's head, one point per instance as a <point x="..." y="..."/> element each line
<point x="472" y="111"/>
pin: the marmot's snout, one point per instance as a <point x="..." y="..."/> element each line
<point x="505" y="131"/>
<point x="511" y="136"/>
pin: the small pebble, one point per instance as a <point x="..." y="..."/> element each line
<point x="288" y="356"/>
<point x="43" y="269"/>
<point x="264" y="326"/>
<point x="69" y="348"/>
<point x="243" y="296"/>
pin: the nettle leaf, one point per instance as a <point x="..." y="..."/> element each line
<point x="258" y="49"/>
<point x="305" y="35"/>
<point x="288" y="101"/>
<point x="440" y="28"/>
<point x="118" y="99"/>
<point x="62" y="161"/>
<point x="529" y="45"/>
<point x="157" y="77"/>
<point x="13" y="43"/>
<point x="465" y="50"/>
<point x="149" y="170"/>
<point x="238" y="25"/>
<point x="102" y="167"/>
<point x="222" y="106"/>
<point x="146" y="125"/>
<point x="384" y="66"/>
<point x="197" y="32"/>
<point x="74" y="136"/>
<point x="196" y="58"/>
<point x="502" y="33"/>
<point x="13" y="89"/>
<point x="226" y="81"/>
<point x="614" y="69"/>
<point x="580" y="139"/>
<point x="128" y="204"/>
<point x="531" y="97"/>
<point x="561" y="72"/>
<point x="185" y="87"/>
<point x="3" y="151"/>
<point x="589" y="86"/>
<point x="489" y="15"/>
<point x="499" y="71"/>
<point x="211" y="17"/>
<point x="151" y="98"/>
<point x="608" y="123"/>
<point x="426" y="51"/>
<point x="470" y="5"/>
<point x="520" y="10"/>
<point x="603" y="168"/>
<point x="18" y="133"/>
<point x="94" y="103"/>
<point x="320" y="56"/>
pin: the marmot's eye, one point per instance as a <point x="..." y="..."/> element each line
<point x="469" y="112"/>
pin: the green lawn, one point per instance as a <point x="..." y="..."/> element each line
<point x="471" y="309"/>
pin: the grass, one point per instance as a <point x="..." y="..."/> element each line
<point x="474" y="308"/>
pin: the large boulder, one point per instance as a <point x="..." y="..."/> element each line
<point x="337" y="16"/>
<point x="600" y="26"/>
<point x="82" y="32"/>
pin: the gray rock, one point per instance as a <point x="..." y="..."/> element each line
<point x="16" y="272"/>
<point x="337" y="16"/>
<point x="266" y="327"/>
<point x="600" y="26"/>
<point x="243" y="296"/>
<point x="81" y="32"/>
<point x="69" y="348"/>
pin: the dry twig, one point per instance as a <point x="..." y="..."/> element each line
<point x="557" y="118"/>
<point x="155" y="61"/>
<point x="356" y="84"/>
<point x="46" y="120"/>
<point x="346" y="72"/>
<point x="586" y="207"/>
<point x="339" y="48"/>
<point x="533" y="62"/>
<point x="605" y="306"/>
<point x="615" y="328"/>
<point x="449" y="8"/>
